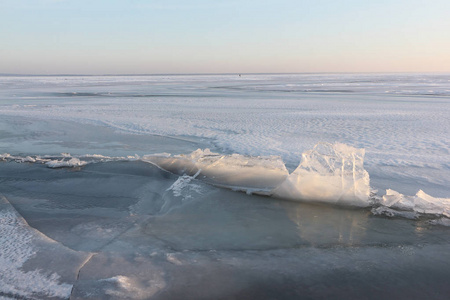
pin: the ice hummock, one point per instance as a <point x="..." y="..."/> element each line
<point x="63" y="163"/>
<point x="259" y="174"/>
<point x="332" y="173"/>
<point x="328" y="173"/>
<point x="395" y="203"/>
<point x="65" y="160"/>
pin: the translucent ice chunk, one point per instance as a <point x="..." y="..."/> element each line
<point x="5" y="156"/>
<point x="236" y="171"/>
<point x="73" y="162"/>
<point x="331" y="173"/>
<point x="421" y="203"/>
<point x="184" y="187"/>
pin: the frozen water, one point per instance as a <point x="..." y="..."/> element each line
<point x="402" y="125"/>
<point x="421" y="203"/>
<point x="239" y="172"/>
<point x="142" y="201"/>
<point x="73" y="162"/>
<point x="245" y="245"/>
<point x="24" y="253"/>
<point x="329" y="173"/>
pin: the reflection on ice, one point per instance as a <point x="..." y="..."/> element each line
<point x="132" y="287"/>
<point x="324" y="224"/>
<point x="110" y="275"/>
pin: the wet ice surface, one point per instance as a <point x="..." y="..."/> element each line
<point x="152" y="234"/>
<point x="87" y="168"/>
<point x="31" y="264"/>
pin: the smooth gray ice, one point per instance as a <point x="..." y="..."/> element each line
<point x="146" y="240"/>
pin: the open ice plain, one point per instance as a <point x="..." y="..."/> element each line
<point x="105" y="195"/>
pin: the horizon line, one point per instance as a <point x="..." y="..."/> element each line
<point x="225" y="73"/>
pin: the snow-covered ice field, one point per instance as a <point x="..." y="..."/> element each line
<point x="138" y="181"/>
<point x="402" y="121"/>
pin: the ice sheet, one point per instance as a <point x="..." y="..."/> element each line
<point x="244" y="245"/>
<point x="164" y="236"/>
<point x="24" y="255"/>
<point x="400" y="119"/>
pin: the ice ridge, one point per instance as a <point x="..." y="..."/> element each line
<point x="394" y="203"/>
<point x="330" y="173"/>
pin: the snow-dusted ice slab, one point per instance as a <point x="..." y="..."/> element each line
<point x="31" y="264"/>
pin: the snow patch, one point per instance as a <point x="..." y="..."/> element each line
<point x="16" y="247"/>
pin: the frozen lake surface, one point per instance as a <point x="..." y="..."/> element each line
<point x="225" y="187"/>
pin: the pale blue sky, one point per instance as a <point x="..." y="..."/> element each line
<point x="199" y="36"/>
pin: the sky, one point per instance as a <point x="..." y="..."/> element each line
<point x="218" y="36"/>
